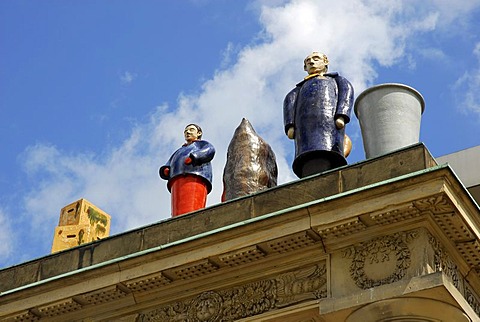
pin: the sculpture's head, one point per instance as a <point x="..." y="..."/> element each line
<point x="192" y="132"/>
<point x="316" y="63"/>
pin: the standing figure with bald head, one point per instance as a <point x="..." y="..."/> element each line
<point x="315" y="114"/>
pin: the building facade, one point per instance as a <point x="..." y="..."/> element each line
<point x="393" y="238"/>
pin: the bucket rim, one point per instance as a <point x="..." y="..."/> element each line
<point x="398" y="85"/>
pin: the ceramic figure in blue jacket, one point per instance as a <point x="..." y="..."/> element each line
<point x="189" y="173"/>
<point x="315" y="114"/>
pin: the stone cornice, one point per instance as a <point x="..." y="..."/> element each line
<point x="282" y="257"/>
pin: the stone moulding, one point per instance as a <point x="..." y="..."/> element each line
<point x="198" y="269"/>
<point x="246" y="255"/>
<point x="278" y="262"/>
<point x="343" y="229"/>
<point x="104" y="295"/>
<point x="147" y="283"/>
<point x="472" y="300"/>
<point x="438" y="208"/>
<point x="251" y="299"/>
<point x="193" y="270"/>
<point x="444" y="263"/>
<point x="61" y="307"/>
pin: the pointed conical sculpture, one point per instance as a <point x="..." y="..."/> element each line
<point x="251" y="165"/>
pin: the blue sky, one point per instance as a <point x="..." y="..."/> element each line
<point x="94" y="95"/>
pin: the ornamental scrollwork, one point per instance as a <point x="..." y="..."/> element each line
<point x="307" y="284"/>
<point x="392" y="249"/>
<point x="247" y="300"/>
<point x="472" y="300"/>
<point x="443" y="263"/>
<point x="437" y="204"/>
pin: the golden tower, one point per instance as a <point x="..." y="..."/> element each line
<point x="80" y="222"/>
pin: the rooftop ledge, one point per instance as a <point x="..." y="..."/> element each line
<point x="315" y="189"/>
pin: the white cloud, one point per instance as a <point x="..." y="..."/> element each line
<point x="454" y="11"/>
<point x="356" y="35"/>
<point x="476" y="51"/>
<point x="229" y="54"/>
<point x="6" y="235"/>
<point x="127" y="77"/>
<point x="434" y="54"/>
<point x="467" y="87"/>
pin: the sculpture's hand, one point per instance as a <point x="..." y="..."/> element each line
<point x="166" y="172"/>
<point x="291" y="133"/>
<point x="188" y="160"/>
<point x="340" y="123"/>
<point x="347" y="146"/>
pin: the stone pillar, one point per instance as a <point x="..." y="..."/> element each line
<point x="389" y="116"/>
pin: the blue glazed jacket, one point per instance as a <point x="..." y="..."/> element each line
<point x="312" y="108"/>
<point x="201" y="152"/>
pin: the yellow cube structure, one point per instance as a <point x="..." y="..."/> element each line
<point x="80" y="222"/>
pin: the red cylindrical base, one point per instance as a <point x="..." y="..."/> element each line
<point x="189" y="193"/>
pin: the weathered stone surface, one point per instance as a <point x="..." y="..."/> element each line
<point x="336" y="255"/>
<point x="410" y="159"/>
<point x="116" y="247"/>
<point x="251" y="299"/>
<point x="251" y="164"/>
<point x="17" y="276"/>
<point x="60" y="264"/>
<point x="367" y="172"/>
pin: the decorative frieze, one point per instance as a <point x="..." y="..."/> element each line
<point x="193" y="270"/>
<point x="25" y="316"/>
<point x="242" y="256"/>
<point x="342" y="229"/>
<point x="104" y="295"/>
<point x="442" y="262"/>
<point x="247" y="300"/>
<point x="146" y="283"/>
<point x="305" y="284"/>
<point x="380" y="261"/>
<point x="470" y="250"/>
<point x="59" y="308"/>
<point x="291" y="242"/>
<point x="452" y="225"/>
<point x="396" y="215"/>
<point x="436" y="205"/>
<point x="472" y="299"/>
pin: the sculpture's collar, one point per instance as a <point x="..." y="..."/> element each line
<point x="334" y="74"/>
<point x="186" y="143"/>
<point x="312" y="76"/>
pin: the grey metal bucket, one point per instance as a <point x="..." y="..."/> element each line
<point x="389" y="116"/>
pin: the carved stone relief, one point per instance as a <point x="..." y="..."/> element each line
<point x="246" y="300"/>
<point x="443" y="263"/>
<point x="472" y="300"/>
<point x="436" y="205"/>
<point x="25" y="316"/>
<point x="380" y="261"/>
<point x="58" y="308"/>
